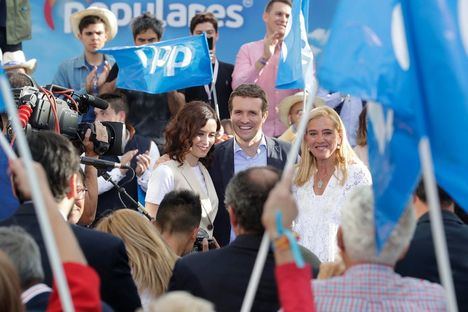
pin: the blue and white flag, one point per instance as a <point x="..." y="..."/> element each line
<point x="385" y="51"/>
<point x="9" y="203"/>
<point x="295" y="68"/>
<point x="438" y="41"/>
<point x="164" y="66"/>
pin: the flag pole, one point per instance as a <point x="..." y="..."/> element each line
<point x="291" y="159"/>
<point x="437" y="227"/>
<point x="215" y="100"/>
<point x="38" y="200"/>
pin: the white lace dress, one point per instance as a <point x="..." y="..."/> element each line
<point x="320" y="215"/>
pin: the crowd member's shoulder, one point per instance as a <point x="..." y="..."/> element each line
<point x="221" y="147"/>
<point x="251" y="44"/>
<point x="228" y="66"/>
<point x="97" y="236"/>
<point x="283" y="145"/>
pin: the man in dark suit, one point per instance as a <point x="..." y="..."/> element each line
<point x="104" y="253"/>
<point x="420" y="261"/>
<point x="248" y="107"/>
<point x="222" y="275"/>
<point x="26" y="257"/>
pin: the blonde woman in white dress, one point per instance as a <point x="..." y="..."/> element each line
<point x="327" y="171"/>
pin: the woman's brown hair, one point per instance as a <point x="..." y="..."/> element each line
<point x="183" y="128"/>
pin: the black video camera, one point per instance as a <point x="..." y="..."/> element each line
<point x="57" y="108"/>
<point x="201" y="235"/>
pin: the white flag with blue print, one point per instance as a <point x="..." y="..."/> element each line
<point x="164" y="66"/>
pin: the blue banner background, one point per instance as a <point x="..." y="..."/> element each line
<point x="241" y="22"/>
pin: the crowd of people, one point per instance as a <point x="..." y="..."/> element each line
<point x="178" y="223"/>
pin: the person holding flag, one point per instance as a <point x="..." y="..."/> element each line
<point x="148" y="113"/>
<point x="369" y="282"/>
<point x="257" y="62"/>
<point x="410" y="57"/>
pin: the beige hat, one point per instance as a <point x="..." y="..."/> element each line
<point x="13" y="60"/>
<point x="286" y="104"/>
<point x="107" y="16"/>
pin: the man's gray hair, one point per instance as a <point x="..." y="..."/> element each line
<point x="24" y="253"/>
<point x="359" y="230"/>
<point x="247" y="192"/>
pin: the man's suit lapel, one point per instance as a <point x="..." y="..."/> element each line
<point x="228" y="162"/>
<point x="273" y="153"/>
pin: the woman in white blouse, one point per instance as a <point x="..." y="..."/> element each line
<point x="189" y="138"/>
<point x="327" y="171"/>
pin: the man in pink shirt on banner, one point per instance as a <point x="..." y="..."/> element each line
<point x="257" y="62"/>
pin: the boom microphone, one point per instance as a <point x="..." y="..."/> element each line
<point x="94" y="101"/>
<point x="99" y="163"/>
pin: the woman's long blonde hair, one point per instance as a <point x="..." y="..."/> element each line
<point x="345" y="155"/>
<point x="151" y="260"/>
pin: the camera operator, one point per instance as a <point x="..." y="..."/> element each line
<point x="90" y="180"/>
<point x="140" y="153"/>
<point x="19" y="80"/>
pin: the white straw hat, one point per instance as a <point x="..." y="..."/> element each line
<point x="17" y="59"/>
<point x="107" y="16"/>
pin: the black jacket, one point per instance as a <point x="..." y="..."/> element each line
<point x="223" y="90"/>
<point x="420" y="261"/>
<point x="222" y="170"/>
<point x="222" y="275"/>
<point x="105" y="253"/>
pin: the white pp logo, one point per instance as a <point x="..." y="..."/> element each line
<point x="165" y="57"/>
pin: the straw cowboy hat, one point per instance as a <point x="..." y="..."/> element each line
<point x="107" y="16"/>
<point x="286" y="104"/>
<point x="13" y="60"/>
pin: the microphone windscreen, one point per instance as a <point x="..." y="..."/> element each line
<point x="95" y="101"/>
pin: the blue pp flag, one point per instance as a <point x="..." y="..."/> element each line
<point x="2" y="104"/>
<point x="295" y="68"/>
<point x="385" y="51"/>
<point x="438" y="39"/>
<point x="8" y="203"/>
<point x="164" y="66"/>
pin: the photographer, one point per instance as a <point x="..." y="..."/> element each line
<point x="140" y="153"/>
<point x="178" y="221"/>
